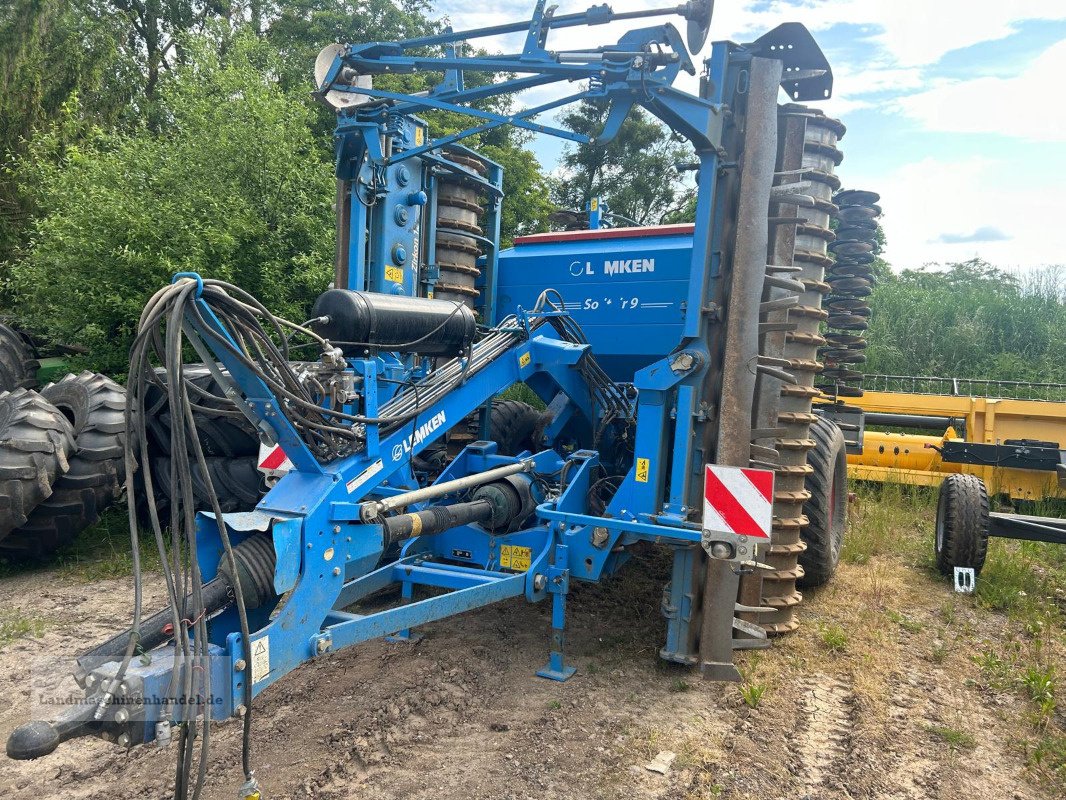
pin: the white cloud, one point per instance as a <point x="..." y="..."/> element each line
<point x="926" y="199"/>
<point x="887" y="65"/>
<point x="914" y="32"/>
<point x="901" y="36"/>
<point x="1026" y="107"/>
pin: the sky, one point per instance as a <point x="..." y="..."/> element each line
<point x="954" y="110"/>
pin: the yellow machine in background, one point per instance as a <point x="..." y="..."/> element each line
<point x="1012" y="443"/>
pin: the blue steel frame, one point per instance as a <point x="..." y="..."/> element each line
<point x="327" y="558"/>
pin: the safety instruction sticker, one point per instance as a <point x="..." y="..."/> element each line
<point x="365" y="475"/>
<point x="514" y="557"/>
<point x="260" y="659"/>
<point x="524" y="359"/>
<point x="394" y="274"/>
<point x="643" y="467"/>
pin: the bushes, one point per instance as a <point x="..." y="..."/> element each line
<point x="234" y="186"/>
<point x="970" y="320"/>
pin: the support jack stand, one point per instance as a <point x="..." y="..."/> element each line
<point x="558" y="584"/>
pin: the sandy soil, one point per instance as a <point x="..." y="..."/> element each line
<point x="461" y="714"/>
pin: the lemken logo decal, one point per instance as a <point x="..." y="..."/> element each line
<point x="621" y="266"/>
<point x="628" y="265"/>
<point x="416" y="438"/>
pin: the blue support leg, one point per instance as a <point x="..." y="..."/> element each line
<point x="558" y="585"/>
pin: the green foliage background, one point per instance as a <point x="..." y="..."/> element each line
<point x="138" y="139"/>
<point x="233" y="187"/>
<point x="970" y="320"/>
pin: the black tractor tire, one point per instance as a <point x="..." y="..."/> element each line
<point x="36" y="445"/>
<point x="18" y="361"/>
<point x="94" y="405"/>
<point x="961" y="524"/>
<point x="222" y="430"/>
<point x="513" y="426"/>
<point x="238" y="485"/>
<point x="827" y="508"/>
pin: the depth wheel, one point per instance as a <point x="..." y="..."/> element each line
<point x="221" y="428"/>
<point x="513" y="425"/>
<point x="961" y="524"/>
<point x="827" y="507"/>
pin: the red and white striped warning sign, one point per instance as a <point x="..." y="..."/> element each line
<point x="738" y="501"/>
<point x="273" y="461"/>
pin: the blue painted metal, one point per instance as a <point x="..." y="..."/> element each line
<point x="641" y="302"/>
<point x="628" y="294"/>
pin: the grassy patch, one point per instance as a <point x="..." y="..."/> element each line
<point x="1039" y="683"/>
<point x="881" y="513"/>
<point x="1026" y="580"/>
<point x="907" y="623"/>
<point x="955" y="739"/>
<point x="16" y="625"/>
<point x="834" y="637"/>
<point x="100" y="552"/>
<point x="519" y="391"/>
<point x="105" y="551"/>
<point x="1047" y="756"/>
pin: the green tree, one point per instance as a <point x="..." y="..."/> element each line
<point x="50" y="50"/>
<point x="235" y="187"/>
<point x="634" y="172"/>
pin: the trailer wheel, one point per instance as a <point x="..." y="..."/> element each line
<point x="36" y="443"/>
<point x="513" y="425"/>
<point x="961" y="524"/>
<point x="94" y="405"/>
<point x="18" y="361"/>
<point x="827" y="508"/>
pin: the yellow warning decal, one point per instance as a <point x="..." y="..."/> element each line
<point x="642" y="470"/>
<point x="514" y="557"/>
<point x="594" y="203"/>
<point x="394" y="274"/>
<point x="420" y="136"/>
<point x="524" y="359"/>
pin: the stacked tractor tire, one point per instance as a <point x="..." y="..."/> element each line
<point x="61" y="452"/>
<point x="851" y="281"/>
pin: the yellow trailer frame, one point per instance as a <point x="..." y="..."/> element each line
<point x="913" y="459"/>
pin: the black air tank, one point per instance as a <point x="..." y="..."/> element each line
<point x="360" y="321"/>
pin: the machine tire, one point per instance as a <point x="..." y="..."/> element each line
<point x="827" y="508"/>
<point x="18" y="361"/>
<point x="36" y="444"/>
<point x="961" y="524"/>
<point x="94" y="405"/>
<point x="221" y="429"/>
<point x="513" y="425"/>
<point x="238" y="484"/>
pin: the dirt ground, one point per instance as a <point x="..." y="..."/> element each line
<point x="898" y="709"/>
